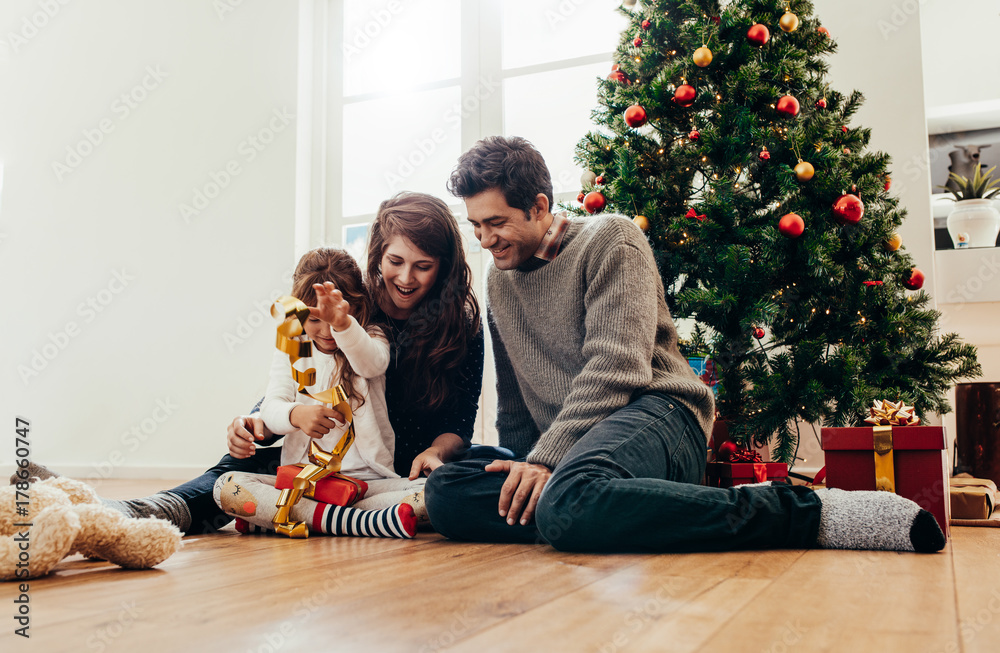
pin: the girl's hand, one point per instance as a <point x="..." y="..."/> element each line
<point x="331" y="307"/>
<point x="315" y="421"/>
<point x="241" y="435"/>
<point x="426" y="463"/>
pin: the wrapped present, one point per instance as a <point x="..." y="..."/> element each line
<point x="972" y="498"/>
<point x="742" y="467"/>
<point x="893" y="454"/>
<point x="732" y="474"/>
<point x="704" y="367"/>
<point x="337" y="489"/>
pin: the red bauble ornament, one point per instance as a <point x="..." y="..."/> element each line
<point x="848" y="209"/>
<point x="791" y="225"/>
<point x="758" y="34"/>
<point x="716" y="19"/>
<point x="646" y="24"/>
<point x="635" y="116"/>
<point x="764" y="155"/>
<point x="915" y="280"/>
<point x="637" y="42"/>
<point x="579" y="198"/>
<point x="824" y="31"/>
<point x="787" y="106"/>
<point x="821" y="103"/>
<point x="844" y="129"/>
<point x="847" y="150"/>
<point x="618" y="76"/>
<point x="685" y="95"/>
<point x="695" y="135"/>
<point x="598" y="180"/>
<point x="758" y="333"/>
<point x="726" y="450"/>
<point x="594" y="202"/>
<point x="888" y="184"/>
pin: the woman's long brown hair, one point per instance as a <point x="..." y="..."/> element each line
<point x="337" y="266"/>
<point x="439" y="330"/>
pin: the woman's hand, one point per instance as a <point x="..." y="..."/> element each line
<point x="446" y="447"/>
<point x="243" y="433"/>
<point x="315" y="421"/>
<point x="426" y="462"/>
<point x="331" y="307"/>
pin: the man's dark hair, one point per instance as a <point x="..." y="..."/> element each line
<point x="512" y="165"/>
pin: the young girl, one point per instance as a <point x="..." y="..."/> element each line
<point x="345" y="350"/>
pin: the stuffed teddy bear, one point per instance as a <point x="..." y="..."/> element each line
<point x="67" y="517"/>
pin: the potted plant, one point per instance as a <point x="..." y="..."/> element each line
<point x="975" y="221"/>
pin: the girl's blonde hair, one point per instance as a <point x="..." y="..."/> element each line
<point x="337" y="266"/>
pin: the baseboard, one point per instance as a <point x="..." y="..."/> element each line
<point x="147" y="472"/>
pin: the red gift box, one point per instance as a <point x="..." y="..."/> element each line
<point x="730" y="474"/>
<point x="919" y="461"/>
<point x="335" y="490"/>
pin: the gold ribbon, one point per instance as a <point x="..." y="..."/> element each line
<point x="888" y="413"/>
<point x="885" y="471"/>
<point x="321" y="463"/>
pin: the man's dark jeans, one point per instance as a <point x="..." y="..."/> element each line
<point x="630" y="484"/>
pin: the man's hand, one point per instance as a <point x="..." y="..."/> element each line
<point x="425" y="463"/>
<point x="242" y="434"/>
<point x="520" y="492"/>
<point x="331" y="307"/>
<point x="315" y="421"/>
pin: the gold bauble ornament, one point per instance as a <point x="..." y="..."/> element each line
<point x="893" y="243"/>
<point x="789" y="22"/>
<point x="642" y="222"/>
<point x="804" y="171"/>
<point x="702" y="56"/>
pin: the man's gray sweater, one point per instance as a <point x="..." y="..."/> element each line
<point x="581" y="337"/>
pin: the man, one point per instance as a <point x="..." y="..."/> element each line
<point x="607" y="421"/>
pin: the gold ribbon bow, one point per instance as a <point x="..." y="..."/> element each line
<point x="321" y="463"/>
<point x="884" y="415"/>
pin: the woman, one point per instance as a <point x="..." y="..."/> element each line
<point x="422" y="286"/>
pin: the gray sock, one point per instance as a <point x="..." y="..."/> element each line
<point x="162" y="505"/>
<point x="876" y="521"/>
<point x="36" y="472"/>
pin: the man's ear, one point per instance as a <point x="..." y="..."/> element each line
<point x="540" y="207"/>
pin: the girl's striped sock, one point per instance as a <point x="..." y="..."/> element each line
<point x="397" y="521"/>
<point x="251" y="498"/>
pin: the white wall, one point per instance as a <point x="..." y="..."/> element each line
<point x="143" y="383"/>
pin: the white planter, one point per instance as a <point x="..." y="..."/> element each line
<point x="974" y="223"/>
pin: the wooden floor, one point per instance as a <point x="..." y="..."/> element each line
<point x="231" y="592"/>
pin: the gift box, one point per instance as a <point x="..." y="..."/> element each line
<point x="909" y="460"/>
<point x="336" y="490"/>
<point x="731" y="474"/>
<point x="972" y="498"/>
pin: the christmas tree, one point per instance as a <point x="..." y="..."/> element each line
<point x="772" y="223"/>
